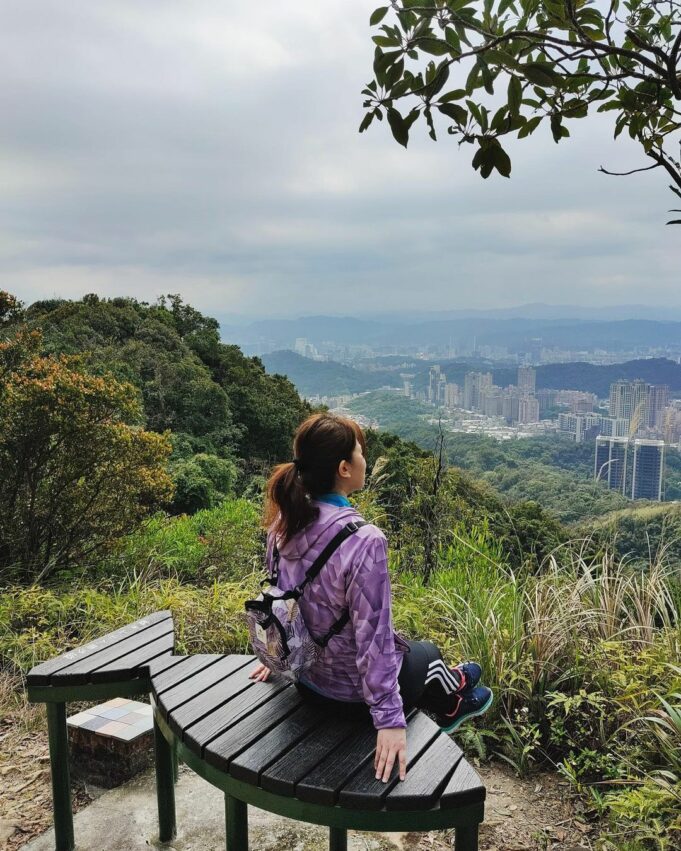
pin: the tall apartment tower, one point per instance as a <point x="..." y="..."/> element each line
<point x="657" y="400"/>
<point x="474" y="384"/>
<point x="452" y="395"/>
<point x="648" y="470"/>
<point x="433" y="382"/>
<point x="528" y="409"/>
<point x="626" y="397"/>
<point x="527" y="379"/>
<point x="612" y="457"/>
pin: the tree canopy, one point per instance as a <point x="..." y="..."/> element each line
<point x="524" y="63"/>
<point x="76" y="469"/>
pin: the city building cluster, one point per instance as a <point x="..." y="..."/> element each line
<point x="631" y="430"/>
<point x="515" y="404"/>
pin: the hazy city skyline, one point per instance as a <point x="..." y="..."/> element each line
<point x="213" y="151"/>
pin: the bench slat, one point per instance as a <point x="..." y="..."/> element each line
<point x="179" y="673"/>
<point x="225" y="715"/>
<point x="237" y="738"/>
<point x="464" y="787"/>
<point x="364" y="792"/>
<point x="42" y="673"/>
<point x="162" y="663"/>
<point x="131" y="664"/>
<point x="79" y="672"/>
<point x="282" y="776"/>
<point x="420" y="788"/>
<point x="249" y="764"/>
<point x="323" y="783"/>
<point x="197" y="683"/>
<point x="206" y="692"/>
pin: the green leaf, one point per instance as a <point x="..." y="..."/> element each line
<point x="475" y="111"/>
<point x="455" y="94"/>
<point x="366" y="121"/>
<point x="399" y="128"/>
<point x="502" y="161"/>
<point x="515" y="95"/>
<point x="440" y="77"/>
<point x="540" y="74"/>
<point x="454" y="111"/>
<point x="434" y="46"/>
<point x="429" y="121"/>
<point x="529" y="128"/>
<point x="452" y="39"/>
<point x="499" y="123"/>
<point x="384" y="41"/>
<point x="557" y="127"/>
<point x="378" y="15"/>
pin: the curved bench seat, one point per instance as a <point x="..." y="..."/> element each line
<point x="260" y="742"/>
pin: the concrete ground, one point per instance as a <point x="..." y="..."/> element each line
<point x="125" y="819"/>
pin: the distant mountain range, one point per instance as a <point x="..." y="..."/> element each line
<point x="328" y="378"/>
<point x="536" y="310"/>
<point x="513" y="333"/>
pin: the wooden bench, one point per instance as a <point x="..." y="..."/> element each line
<point x="259" y="742"/>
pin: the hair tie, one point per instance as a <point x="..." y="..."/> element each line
<point x="297" y="464"/>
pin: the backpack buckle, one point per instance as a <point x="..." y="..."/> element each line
<point x="353" y="526"/>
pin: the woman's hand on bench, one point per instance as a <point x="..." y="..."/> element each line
<point x="260" y="673"/>
<point x="391" y="744"/>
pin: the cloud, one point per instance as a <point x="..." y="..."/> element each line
<point x="211" y="149"/>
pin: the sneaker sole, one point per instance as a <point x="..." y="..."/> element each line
<point x="459" y="721"/>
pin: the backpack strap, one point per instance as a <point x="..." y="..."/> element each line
<point x="325" y="554"/>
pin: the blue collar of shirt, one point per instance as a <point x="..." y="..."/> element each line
<point x="334" y="499"/>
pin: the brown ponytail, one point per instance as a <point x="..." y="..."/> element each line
<point x="320" y="443"/>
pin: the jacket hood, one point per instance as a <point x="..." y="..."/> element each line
<point x="306" y="538"/>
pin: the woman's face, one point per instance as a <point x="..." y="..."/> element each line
<point x="350" y="476"/>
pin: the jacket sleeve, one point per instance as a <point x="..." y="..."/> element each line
<point x="368" y="597"/>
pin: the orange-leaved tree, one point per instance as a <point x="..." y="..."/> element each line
<point x="77" y="470"/>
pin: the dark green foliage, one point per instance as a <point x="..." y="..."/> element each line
<point x="201" y="481"/>
<point x="190" y="382"/>
<point x="520" y="64"/>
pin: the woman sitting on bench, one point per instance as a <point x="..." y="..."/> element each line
<point x="366" y="667"/>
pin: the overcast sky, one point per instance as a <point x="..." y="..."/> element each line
<point x="211" y="149"/>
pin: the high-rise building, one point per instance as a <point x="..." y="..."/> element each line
<point x="452" y="396"/>
<point x="433" y="382"/>
<point x="474" y="384"/>
<point x="547" y="398"/>
<point x="614" y="427"/>
<point x="648" y="470"/>
<point x="582" y="406"/>
<point x="580" y="427"/>
<point x="527" y="379"/>
<point x="671" y="425"/>
<point x="491" y="402"/>
<point x="528" y="409"/>
<point x="612" y="456"/>
<point x="626" y="398"/>
<point x="657" y="401"/>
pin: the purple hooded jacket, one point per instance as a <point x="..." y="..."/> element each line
<point x="363" y="661"/>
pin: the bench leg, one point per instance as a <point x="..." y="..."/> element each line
<point x="236" y="817"/>
<point x="61" y="782"/>
<point x="338" y="839"/>
<point x="467" y="838"/>
<point x="176" y="767"/>
<point x="165" y="786"/>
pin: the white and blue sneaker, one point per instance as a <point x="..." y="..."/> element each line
<point x="468" y="704"/>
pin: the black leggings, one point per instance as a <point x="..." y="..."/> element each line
<point x="422" y="685"/>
